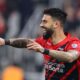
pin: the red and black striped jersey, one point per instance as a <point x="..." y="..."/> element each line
<point x="56" y="69"/>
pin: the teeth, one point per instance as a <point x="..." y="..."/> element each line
<point x="43" y="29"/>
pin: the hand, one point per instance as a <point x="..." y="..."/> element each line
<point x="2" y="42"/>
<point x="32" y="45"/>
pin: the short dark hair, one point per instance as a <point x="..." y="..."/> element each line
<point x="56" y="13"/>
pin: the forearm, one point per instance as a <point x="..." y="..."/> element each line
<point x="61" y="55"/>
<point x="17" y="42"/>
<point x="65" y="56"/>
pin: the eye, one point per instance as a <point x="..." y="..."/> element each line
<point x="44" y="21"/>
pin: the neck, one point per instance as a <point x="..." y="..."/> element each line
<point x="58" y="36"/>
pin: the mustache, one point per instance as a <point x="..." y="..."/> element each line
<point x="43" y="27"/>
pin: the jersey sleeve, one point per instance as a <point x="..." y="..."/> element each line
<point x="73" y="45"/>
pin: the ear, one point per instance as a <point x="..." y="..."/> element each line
<point x="56" y="23"/>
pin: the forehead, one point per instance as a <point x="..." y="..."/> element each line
<point x="46" y="17"/>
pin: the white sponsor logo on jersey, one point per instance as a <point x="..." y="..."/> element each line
<point x="74" y="45"/>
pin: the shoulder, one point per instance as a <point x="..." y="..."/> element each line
<point x="74" y="43"/>
<point x="74" y="39"/>
<point x="71" y="38"/>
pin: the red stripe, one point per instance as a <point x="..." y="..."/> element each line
<point x="52" y="74"/>
<point x="79" y="73"/>
<point x="68" y="73"/>
<point x="46" y="73"/>
<point x="78" y="64"/>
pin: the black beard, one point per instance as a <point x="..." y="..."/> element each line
<point x="48" y="34"/>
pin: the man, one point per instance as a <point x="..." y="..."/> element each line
<point x="60" y="50"/>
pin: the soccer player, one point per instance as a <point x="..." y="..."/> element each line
<point x="61" y="51"/>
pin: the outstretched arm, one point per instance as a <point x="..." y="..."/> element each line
<point x="66" y="56"/>
<point x="17" y="42"/>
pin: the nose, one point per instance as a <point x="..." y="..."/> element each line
<point x="41" y="25"/>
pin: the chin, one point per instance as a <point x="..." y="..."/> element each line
<point x="47" y="35"/>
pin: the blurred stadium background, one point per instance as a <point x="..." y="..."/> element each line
<point x="21" y="18"/>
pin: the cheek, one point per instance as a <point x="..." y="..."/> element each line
<point x="52" y="27"/>
<point x="48" y="25"/>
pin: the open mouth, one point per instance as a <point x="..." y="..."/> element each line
<point x="44" y="30"/>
